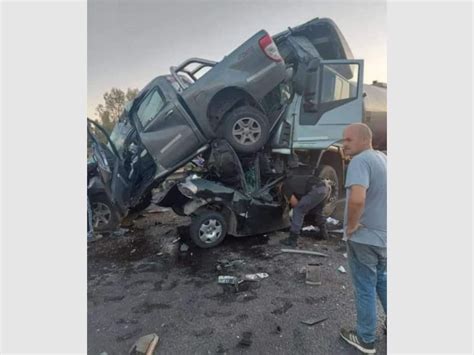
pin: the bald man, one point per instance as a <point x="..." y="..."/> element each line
<point x="365" y="229"/>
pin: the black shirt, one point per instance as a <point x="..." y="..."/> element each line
<point x="299" y="185"/>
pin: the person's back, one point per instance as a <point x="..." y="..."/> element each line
<point x="369" y="169"/>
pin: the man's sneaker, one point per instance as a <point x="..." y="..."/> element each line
<point x="351" y="337"/>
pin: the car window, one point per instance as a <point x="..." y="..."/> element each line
<point x="151" y="105"/>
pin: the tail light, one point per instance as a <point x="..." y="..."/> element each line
<point x="269" y="48"/>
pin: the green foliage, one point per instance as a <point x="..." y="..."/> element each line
<point x="110" y="111"/>
<point x="114" y="103"/>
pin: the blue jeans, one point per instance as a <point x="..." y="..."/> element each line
<point x="368" y="265"/>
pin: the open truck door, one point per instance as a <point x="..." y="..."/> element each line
<point x="332" y="99"/>
<point x="110" y="167"/>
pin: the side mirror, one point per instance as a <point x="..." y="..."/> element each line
<point x="310" y="91"/>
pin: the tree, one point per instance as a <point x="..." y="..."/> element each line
<point x="114" y="103"/>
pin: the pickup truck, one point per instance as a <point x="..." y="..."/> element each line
<point x="294" y="92"/>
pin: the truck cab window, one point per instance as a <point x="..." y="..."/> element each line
<point x="150" y="107"/>
<point x="339" y="82"/>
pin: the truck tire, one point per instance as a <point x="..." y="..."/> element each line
<point x="328" y="172"/>
<point x="208" y="229"/>
<point x="246" y="129"/>
<point x="104" y="215"/>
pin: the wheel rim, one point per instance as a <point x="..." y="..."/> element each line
<point x="101" y="214"/>
<point x="246" y="131"/>
<point x="210" y="231"/>
<point x="333" y="197"/>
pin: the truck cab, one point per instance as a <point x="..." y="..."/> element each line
<point x="328" y="95"/>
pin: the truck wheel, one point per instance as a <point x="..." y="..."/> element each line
<point x="328" y="172"/>
<point x="104" y="216"/>
<point x="208" y="229"/>
<point x="246" y="129"/>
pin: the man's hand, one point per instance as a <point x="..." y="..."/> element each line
<point x="293" y="201"/>
<point x="352" y="230"/>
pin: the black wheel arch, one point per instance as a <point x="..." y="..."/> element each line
<point x="228" y="99"/>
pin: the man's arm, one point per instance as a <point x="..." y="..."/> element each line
<point x="356" y="206"/>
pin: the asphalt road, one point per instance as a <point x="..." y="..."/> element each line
<point x="140" y="283"/>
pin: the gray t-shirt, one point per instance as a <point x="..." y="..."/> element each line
<point x="369" y="169"/>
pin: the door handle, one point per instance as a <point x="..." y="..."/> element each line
<point x="168" y="114"/>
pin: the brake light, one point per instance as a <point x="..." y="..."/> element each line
<point x="269" y="48"/>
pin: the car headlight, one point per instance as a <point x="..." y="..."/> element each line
<point x="188" y="189"/>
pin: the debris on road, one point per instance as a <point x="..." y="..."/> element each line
<point x="256" y="277"/>
<point x="307" y="252"/>
<point x="332" y="221"/>
<point x="337" y="231"/>
<point x="310" y="229"/>
<point x="145" y="345"/>
<point x="246" y="339"/>
<point x="313" y="321"/>
<point x="344" y="255"/>
<point x="120" y="233"/>
<point x="231" y="263"/>
<point x="224" y="263"/>
<point x="133" y="251"/>
<point x="227" y="280"/>
<point x="341" y="269"/>
<point x="313" y="275"/>
<point x="176" y="240"/>
<point x="184" y="247"/>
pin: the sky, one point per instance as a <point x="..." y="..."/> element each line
<point x="131" y="42"/>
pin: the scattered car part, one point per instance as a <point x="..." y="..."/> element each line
<point x="225" y="279"/>
<point x="313" y="275"/>
<point x="256" y="277"/>
<point x="184" y="248"/>
<point x="313" y="321"/>
<point x="341" y="269"/>
<point x="246" y="339"/>
<point x="306" y="252"/>
<point x="229" y="281"/>
<point x="145" y="345"/>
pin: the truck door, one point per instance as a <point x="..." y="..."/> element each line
<point x="336" y="101"/>
<point x="166" y="131"/>
<point x="110" y="166"/>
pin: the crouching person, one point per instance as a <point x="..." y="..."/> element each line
<point x="307" y="194"/>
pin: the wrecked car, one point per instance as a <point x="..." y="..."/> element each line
<point x="290" y="93"/>
<point x="229" y="198"/>
<point x="175" y="116"/>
